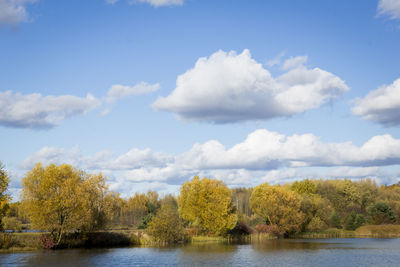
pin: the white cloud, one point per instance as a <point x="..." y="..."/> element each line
<point x="381" y="105"/>
<point x="14" y="11"/>
<point x="294" y="62"/>
<point x="159" y="3"/>
<point x="37" y="111"/>
<point x="276" y="60"/>
<point x="122" y="91"/>
<point x="265" y="150"/>
<point x="231" y="87"/>
<point x="262" y="156"/>
<point x="390" y="8"/>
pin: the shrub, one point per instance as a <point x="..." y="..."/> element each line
<point x="47" y="242"/>
<point x="268" y="229"/>
<point x="241" y="228"/>
<point x="316" y="225"/>
<point x="166" y="226"/>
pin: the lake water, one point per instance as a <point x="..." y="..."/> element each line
<point x="288" y="252"/>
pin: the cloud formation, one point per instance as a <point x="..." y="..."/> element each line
<point x="231" y="87"/>
<point x="391" y="8"/>
<point x="118" y="91"/>
<point x="262" y="156"/>
<point x="37" y="111"/>
<point x="381" y="105"/>
<point x="13" y="12"/>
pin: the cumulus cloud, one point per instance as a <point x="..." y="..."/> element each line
<point x="264" y="149"/>
<point x="37" y="111"/>
<point x="231" y="87"/>
<point x="13" y="12"/>
<point x="381" y="105"/>
<point x="118" y="91"/>
<point x="262" y="156"/>
<point x="391" y="8"/>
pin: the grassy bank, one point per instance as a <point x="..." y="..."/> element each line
<point x="367" y="231"/>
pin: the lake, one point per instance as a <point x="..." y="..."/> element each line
<point x="287" y="252"/>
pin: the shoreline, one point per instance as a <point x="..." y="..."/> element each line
<point x="27" y="242"/>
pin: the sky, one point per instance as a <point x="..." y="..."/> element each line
<point x="154" y="92"/>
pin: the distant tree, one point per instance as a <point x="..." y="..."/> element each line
<point x="306" y="187"/>
<point x="335" y="220"/>
<point x="382" y="213"/>
<point x="359" y="221"/>
<point x="277" y="206"/>
<point x="349" y="223"/>
<point x="206" y="204"/>
<point x="354" y="221"/>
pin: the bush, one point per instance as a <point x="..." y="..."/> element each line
<point x="268" y="229"/>
<point x="47" y="242"/>
<point x="316" y="225"/>
<point x="241" y="228"/>
<point x="6" y="241"/>
<point x="166" y="226"/>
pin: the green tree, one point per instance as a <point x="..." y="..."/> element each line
<point x="349" y="223"/>
<point x="335" y="221"/>
<point x="61" y="198"/>
<point x="207" y="204"/>
<point x="277" y="206"/>
<point x="382" y="213"/>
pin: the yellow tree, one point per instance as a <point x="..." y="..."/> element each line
<point x="207" y="204"/>
<point x="4" y="197"/>
<point x="60" y="198"/>
<point x="277" y="206"/>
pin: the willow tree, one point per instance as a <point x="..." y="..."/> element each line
<point x="277" y="206"/>
<point x="61" y="198"/>
<point x="206" y="204"/>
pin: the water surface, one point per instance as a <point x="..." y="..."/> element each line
<point x="288" y="252"/>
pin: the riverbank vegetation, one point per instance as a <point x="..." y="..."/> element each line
<point x="68" y="207"/>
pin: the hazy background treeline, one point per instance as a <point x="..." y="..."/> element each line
<point x="62" y="200"/>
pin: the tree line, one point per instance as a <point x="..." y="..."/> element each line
<point x="61" y="199"/>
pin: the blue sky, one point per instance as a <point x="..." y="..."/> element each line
<point x="152" y="92"/>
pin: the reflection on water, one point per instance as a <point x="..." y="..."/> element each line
<point x="288" y="252"/>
